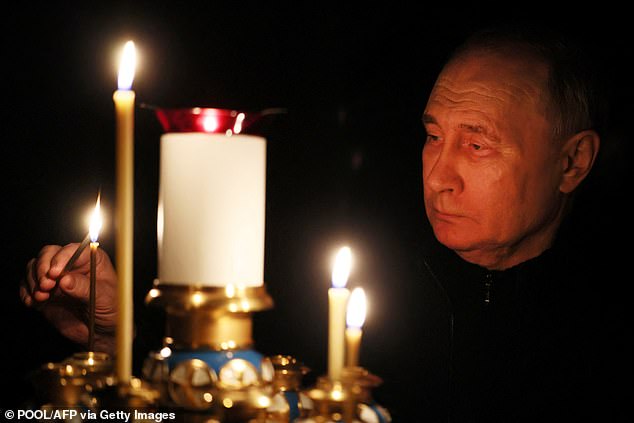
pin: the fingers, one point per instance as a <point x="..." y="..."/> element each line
<point x="76" y="285"/>
<point x="60" y="260"/>
<point x="40" y="267"/>
<point x="30" y="281"/>
<point x="25" y="294"/>
<point x="43" y="271"/>
<point x="37" y="284"/>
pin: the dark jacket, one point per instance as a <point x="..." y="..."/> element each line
<point x="545" y="340"/>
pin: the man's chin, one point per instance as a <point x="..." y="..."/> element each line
<point x="472" y="250"/>
<point x="451" y="239"/>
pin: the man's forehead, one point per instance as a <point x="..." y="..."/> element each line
<point x="493" y="70"/>
<point x="490" y="86"/>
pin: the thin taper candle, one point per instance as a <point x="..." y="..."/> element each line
<point x="93" y="295"/>
<point x="355" y="317"/>
<point x="337" y="298"/>
<point x="124" y="215"/>
<point x="337" y="301"/>
<point x="353" y="346"/>
<point x="95" y="227"/>
<point x="69" y="265"/>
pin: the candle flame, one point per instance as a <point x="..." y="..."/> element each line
<point x="95" y="221"/>
<point x="237" y="126"/>
<point x="126" y="66"/>
<point x="341" y="270"/>
<point x="357" y="308"/>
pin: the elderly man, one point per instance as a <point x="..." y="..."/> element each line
<point x="512" y="131"/>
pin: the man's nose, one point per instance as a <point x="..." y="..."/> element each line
<point x="442" y="173"/>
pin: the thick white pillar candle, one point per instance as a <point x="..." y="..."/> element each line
<point x="211" y="210"/>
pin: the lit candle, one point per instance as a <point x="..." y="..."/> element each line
<point x="354" y="318"/>
<point x="124" y="109"/>
<point x="337" y="301"/>
<point x="95" y="227"/>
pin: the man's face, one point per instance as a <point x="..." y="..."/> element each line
<point x="491" y="170"/>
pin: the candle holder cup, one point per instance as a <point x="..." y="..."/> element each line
<point x="347" y="400"/>
<point x="73" y="382"/>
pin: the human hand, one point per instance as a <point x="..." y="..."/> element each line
<point x="67" y="306"/>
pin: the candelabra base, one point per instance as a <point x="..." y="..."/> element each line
<point x="206" y="371"/>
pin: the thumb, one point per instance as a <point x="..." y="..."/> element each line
<point x="76" y="285"/>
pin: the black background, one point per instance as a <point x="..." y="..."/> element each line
<point x="343" y="165"/>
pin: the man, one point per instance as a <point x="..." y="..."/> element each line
<point x="512" y="132"/>
<point x="503" y="154"/>
<point x="511" y="135"/>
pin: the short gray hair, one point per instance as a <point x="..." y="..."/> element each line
<point x="575" y="98"/>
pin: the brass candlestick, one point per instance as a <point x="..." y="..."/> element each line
<point x="207" y="368"/>
<point x="349" y="400"/>
<point x="73" y="382"/>
<point x="216" y="318"/>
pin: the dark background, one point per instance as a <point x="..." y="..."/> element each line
<point x="343" y="164"/>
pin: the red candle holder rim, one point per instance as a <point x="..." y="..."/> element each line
<point x="210" y="119"/>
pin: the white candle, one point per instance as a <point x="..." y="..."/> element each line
<point x="337" y="302"/>
<point x="355" y="317"/>
<point x="124" y="249"/>
<point x="211" y="209"/>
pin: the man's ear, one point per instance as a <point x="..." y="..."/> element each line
<point x="578" y="153"/>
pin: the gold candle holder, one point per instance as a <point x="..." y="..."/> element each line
<point x="289" y="402"/>
<point x="205" y="368"/>
<point x="73" y="382"/>
<point x="216" y="318"/>
<point x="348" y="400"/>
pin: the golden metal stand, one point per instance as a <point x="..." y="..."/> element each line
<point x="349" y="400"/>
<point x="209" y="317"/>
<point x="206" y="368"/>
<point x="74" y="381"/>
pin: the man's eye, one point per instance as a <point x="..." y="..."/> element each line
<point x="475" y="146"/>
<point x="432" y="138"/>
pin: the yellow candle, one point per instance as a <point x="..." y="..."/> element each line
<point x="355" y="317"/>
<point x="337" y="302"/>
<point x="124" y="110"/>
